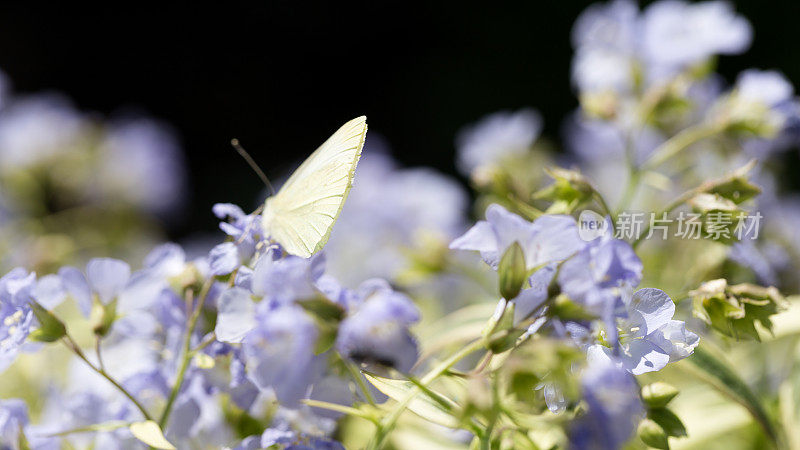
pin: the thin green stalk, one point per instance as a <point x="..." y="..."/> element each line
<point x="631" y="188"/>
<point x="362" y="386"/>
<point x="72" y="345"/>
<point x="669" y="149"/>
<point x="681" y="142"/>
<point x="187" y="353"/>
<point x="350" y="411"/>
<point x="387" y="424"/>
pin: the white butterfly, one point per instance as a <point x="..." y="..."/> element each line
<point x="301" y="215"/>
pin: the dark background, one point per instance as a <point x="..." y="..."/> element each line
<point x="282" y="75"/>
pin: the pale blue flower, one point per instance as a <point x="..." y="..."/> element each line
<point x="13" y="420"/>
<point x="236" y="315"/>
<point x="614" y="407"/>
<point x="107" y="277"/>
<point x="676" y="33"/>
<point x="16" y="315"/>
<point x="496" y="137"/>
<point x="595" y="275"/>
<point x="49" y="291"/>
<point x="767" y="87"/>
<point x="75" y="285"/>
<point x="279" y="352"/>
<point x="245" y="229"/>
<point x="595" y="141"/>
<point x="288" y="278"/>
<point x="605" y="36"/>
<point x="224" y="258"/>
<point x="649" y="338"/>
<point x="390" y="209"/>
<point x="551" y="238"/>
<point x="36" y="129"/>
<point x="376" y="331"/>
<point x="142" y="164"/>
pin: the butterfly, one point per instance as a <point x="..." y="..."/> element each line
<point x="301" y="215"/>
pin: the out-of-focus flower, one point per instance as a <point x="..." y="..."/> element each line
<point x="496" y="137"/>
<point x="676" y="33"/>
<point x="596" y="141"/>
<point x="391" y="213"/>
<point x="279" y="352"/>
<point x="616" y="47"/>
<point x="604" y="36"/>
<point x="281" y="436"/>
<point x="16" y="316"/>
<point x="13" y="419"/>
<point x="614" y="406"/>
<point x="105" y="277"/>
<point x="376" y="331"/>
<point x="142" y="163"/>
<point x="35" y="129"/>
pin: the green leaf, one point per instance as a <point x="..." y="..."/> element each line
<point x="512" y="272"/>
<point x="667" y="419"/>
<point x="652" y="434"/>
<point x="569" y="190"/>
<point x="150" y="433"/>
<point x="105" y="426"/>
<point x="658" y="394"/>
<point x="726" y="381"/>
<point x="422" y="405"/>
<point x="51" y="328"/>
<point x="323" y="308"/>
<point x="733" y="309"/>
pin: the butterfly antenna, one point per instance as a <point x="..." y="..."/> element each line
<point x="243" y="153"/>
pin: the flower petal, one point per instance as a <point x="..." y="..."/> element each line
<point x="649" y="309"/>
<point x="642" y="356"/>
<point x="107" y="277"/>
<point x="236" y="315"/>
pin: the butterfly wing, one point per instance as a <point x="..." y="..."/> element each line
<point x="301" y="215"/>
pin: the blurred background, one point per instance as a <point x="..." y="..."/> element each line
<point x="282" y="75"/>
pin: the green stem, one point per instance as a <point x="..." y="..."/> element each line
<point x="680" y="142"/>
<point x="72" y="345"/>
<point x="362" y="386"/>
<point x="187" y="354"/>
<point x="669" y="149"/>
<point x="631" y="187"/>
<point x="389" y="421"/>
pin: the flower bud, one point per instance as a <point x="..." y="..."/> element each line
<point x="658" y="394"/>
<point x="652" y="434"/>
<point x="512" y="271"/>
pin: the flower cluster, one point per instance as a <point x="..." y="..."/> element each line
<point x="395" y="334"/>
<point x="67" y="171"/>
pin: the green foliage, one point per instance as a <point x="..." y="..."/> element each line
<point x="512" y="272"/>
<point x="652" y="434"/>
<point x="51" y="328"/>
<point x="569" y="191"/>
<point x="733" y="310"/>
<point x="658" y="394"/>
